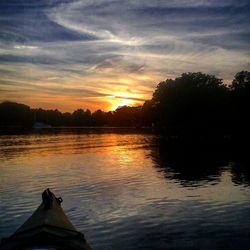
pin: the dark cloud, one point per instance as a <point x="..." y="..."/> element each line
<point x="27" y="59"/>
<point x="230" y="41"/>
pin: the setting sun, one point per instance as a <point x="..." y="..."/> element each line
<point x="123" y="99"/>
<point x="117" y="102"/>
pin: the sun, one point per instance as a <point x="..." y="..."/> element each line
<point x="122" y="102"/>
<point x="116" y="102"/>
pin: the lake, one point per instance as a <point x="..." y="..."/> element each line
<point x="126" y="189"/>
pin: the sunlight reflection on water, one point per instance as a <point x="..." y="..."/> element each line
<point x="121" y="190"/>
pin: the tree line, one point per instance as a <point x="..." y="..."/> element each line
<point x="16" y="115"/>
<point x="192" y="104"/>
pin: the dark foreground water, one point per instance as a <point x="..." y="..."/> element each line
<point x="126" y="190"/>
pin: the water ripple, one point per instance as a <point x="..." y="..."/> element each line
<point x="123" y="192"/>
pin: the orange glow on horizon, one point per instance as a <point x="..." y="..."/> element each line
<point x="121" y="102"/>
<point x="67" y="95"/>
<point x="69" y="104"/>
<point x="122" y="99"/>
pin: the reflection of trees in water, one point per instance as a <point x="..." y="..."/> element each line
<point x="198" y="163"/>
<point x="241" y="172"/>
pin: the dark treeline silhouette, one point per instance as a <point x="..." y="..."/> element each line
<point x="15" y="115"/>
<point x="194" y="104"/>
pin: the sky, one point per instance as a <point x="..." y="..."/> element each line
<point x="101" y="54"/>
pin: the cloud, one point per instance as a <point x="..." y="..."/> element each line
<point x="130" y="98"/>
<point x="115" y="46"/>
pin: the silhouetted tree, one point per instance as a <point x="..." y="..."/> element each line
<point x="109" y="118"/>
<point x="81" y="118"/>
<point x="240" y="103"/>
<point x="148" y="113"/>
<point x="88" y="117"/>
<point x="241" y="81"/>
<point x="194" y="103"/>
<point x="98" y="118"/>
<point x="128" y="116"/>
<point x="66" y="119"/>
<point x="15" y="115"/>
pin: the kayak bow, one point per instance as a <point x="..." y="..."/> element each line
<point x="47" y="227"/>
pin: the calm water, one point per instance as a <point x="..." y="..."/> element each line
<point x="126" y="190"/>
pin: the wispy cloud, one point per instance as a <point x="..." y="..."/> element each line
<point x="95" y="48"/>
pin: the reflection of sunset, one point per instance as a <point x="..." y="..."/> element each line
<point x="108" y="159"/>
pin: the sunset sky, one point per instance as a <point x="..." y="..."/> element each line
<point x="105" y="53"/>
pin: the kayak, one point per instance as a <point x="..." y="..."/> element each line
<point x="48" y="227"/>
